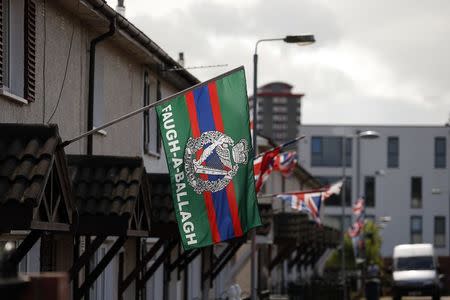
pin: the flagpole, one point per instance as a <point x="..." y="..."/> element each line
<point x="145" y="108"/>
<point x="288" y="143"/>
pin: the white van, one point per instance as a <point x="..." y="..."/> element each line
<point x="415" y="271"/>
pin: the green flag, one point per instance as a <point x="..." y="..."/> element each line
<point x="206" y="138"/>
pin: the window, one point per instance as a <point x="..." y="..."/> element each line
<point x="280" y="117"/>
<point x="369" y="189"/>
<point x="439" y="232"/>
<point x="278" y="126"/>
<point x="278" y="109"/>
<point x="146" y="113"/>
<point x="99" y="99"/>
<point x="440" y="152"/>
<point x="416" y="192"/>
<point x="18" y="43"/>
<point x="416" y="229"/>
<point x="393" y="151"/>
<point x="335" y="200"/>
<point x="154" y="144"/>
<point x="327" y="151"/>
<point x="279" y="100"/>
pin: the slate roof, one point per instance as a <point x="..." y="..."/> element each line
<point x="105" y="185"/>
<point x="26" y="152"/>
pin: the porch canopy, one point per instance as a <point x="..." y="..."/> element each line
<point x="35" y="191"/>
<point x="111" y="195"/>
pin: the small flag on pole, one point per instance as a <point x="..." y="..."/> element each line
<point x="358" y="207"/>
<point x="206" y="138"/>
<point x="306" y="202"/>
<point x="263" y="166"/>
<point x="334" y="189"/>
<point x="285" y="163"/>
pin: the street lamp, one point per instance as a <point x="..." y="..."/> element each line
<point x="301" y="40"/>
<point x="369" y="134"/>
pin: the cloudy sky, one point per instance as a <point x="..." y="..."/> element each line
<point x="374" y="62"/>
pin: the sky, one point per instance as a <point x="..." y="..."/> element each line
<point x="374" y="62"/>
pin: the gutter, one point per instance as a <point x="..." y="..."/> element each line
<point x="123" y="24"/>
<point x="94" y="42"/>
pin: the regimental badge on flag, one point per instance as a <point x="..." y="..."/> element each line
<point x="206" y="138"/>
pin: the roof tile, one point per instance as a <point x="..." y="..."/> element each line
<point x="26" y="152"/>
<point x="105" y="185"/>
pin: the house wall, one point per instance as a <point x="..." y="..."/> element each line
<point x="59" y="29"/>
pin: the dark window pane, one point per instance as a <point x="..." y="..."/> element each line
<point x="327" y="151"/>
<point x="146" y="113"/>
<point x="369" y="188"/>
<point x="439" y="231"/>
<point x="440" y="152"/>
<point x="416" y="192"/>
<point x="316" y="145"/>
<point x="416" y="229"/>
<point x="393" y="152"/>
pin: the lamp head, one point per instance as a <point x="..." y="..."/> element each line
<point x="301" y="40"/>
<point x="369" y="134"/>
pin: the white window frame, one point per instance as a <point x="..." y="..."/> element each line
<point x="14" y="50"/>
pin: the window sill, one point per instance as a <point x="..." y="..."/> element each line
<point x="14" y="98"/>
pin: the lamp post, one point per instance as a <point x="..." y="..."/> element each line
<point x="369" y="134"/>
<point x="301" y="40"/>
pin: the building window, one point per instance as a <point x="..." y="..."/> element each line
<point x="440" y="152"/>
<point x="327" y="151"/>
<point x="154" y="135"/>
<point x="146" y="113"/>
<point x="416" y="192"/>
<point x="99" y="100"/>
<point x="279" y="126"/>
<point x="280" y="118"/>
<point x="416" y="229"/>
<point x="17" y="43"/>
<point x="393" y="152"/>
<point x="335" y="200"/>
<point x="279" y="109"/>
<point x="369" y="191"/>
<point x="439" y="232"/>
<point x="279" y="100"/>
<point x="14" y="46"/>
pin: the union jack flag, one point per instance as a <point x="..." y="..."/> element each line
<point x="307" y="202"/>
<point x="285" y="162"/>
<point x="334" y="189"/>
<point x="358" y="207"/>
<point x="356" y="229"/>
<point x="263" y="166"/>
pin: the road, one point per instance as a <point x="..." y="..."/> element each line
<point x="416" y="298"/>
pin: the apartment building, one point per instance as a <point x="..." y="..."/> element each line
<point x="403" y="174"/>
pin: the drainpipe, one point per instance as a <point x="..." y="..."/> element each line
<point x="94" y="42"/>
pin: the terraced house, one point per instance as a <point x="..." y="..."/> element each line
<point x="67" y="67"/>
<point x="100" y="208"/>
